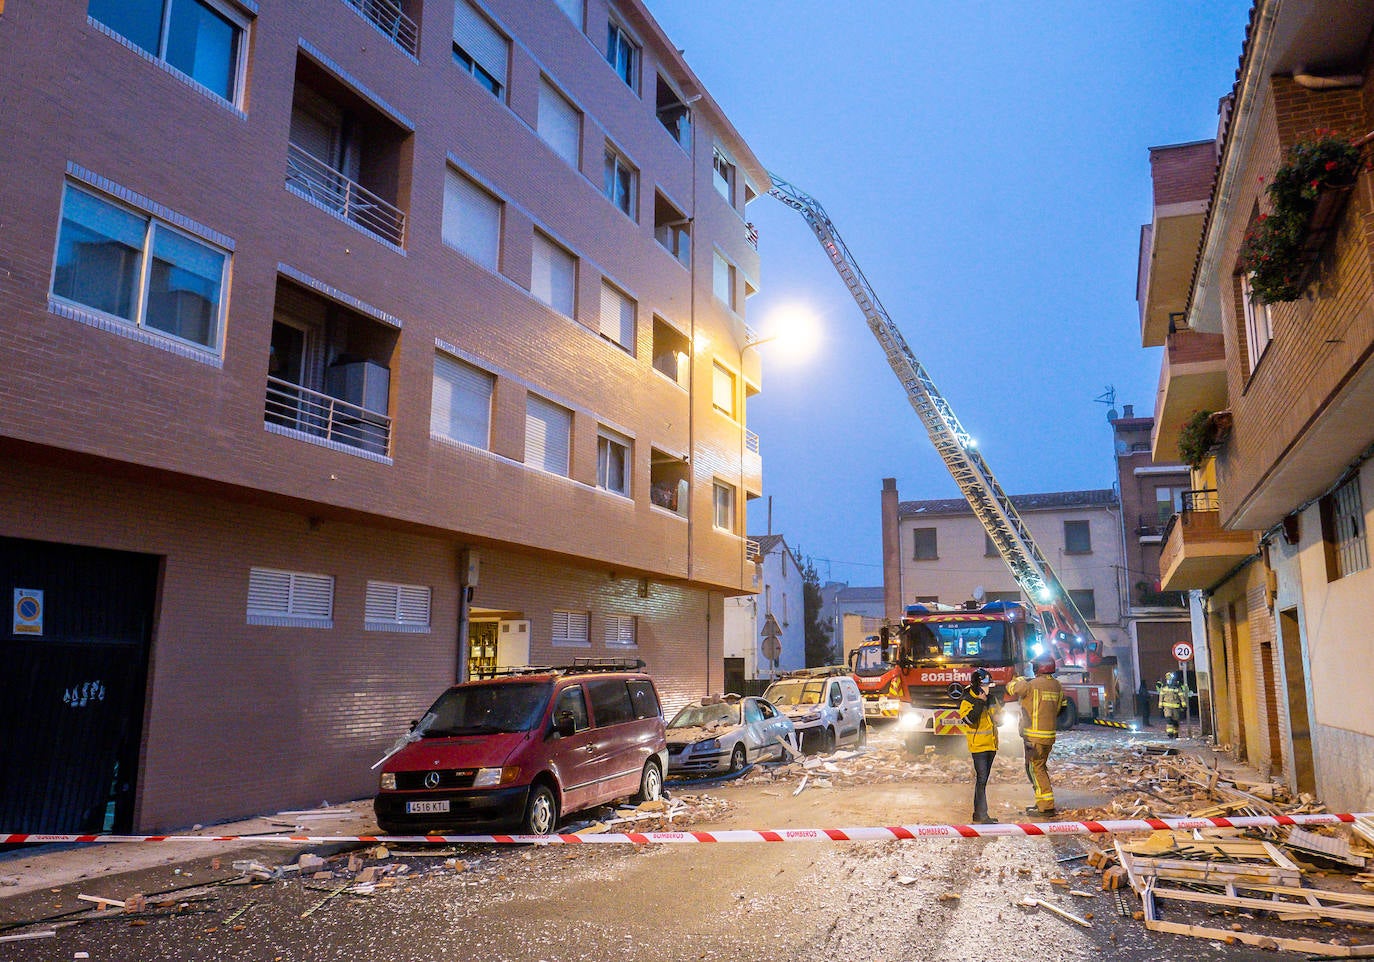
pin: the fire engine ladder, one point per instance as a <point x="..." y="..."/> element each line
<point x="955" y="446"/>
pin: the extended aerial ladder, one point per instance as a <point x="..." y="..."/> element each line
<point x="956" y="447"/>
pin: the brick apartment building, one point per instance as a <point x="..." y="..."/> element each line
<point x="1271" y="537"/>
<point x="938" y="551"/>
<point x="321" y="320"/>
<point x="1155" y="620"/>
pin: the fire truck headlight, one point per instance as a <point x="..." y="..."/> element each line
<point x="910" y="721"/>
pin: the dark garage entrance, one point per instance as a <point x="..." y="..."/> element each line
<point x="75" y="654"/>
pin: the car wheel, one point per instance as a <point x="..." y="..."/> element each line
<point x="541" y="811"/>
<point x="1067" y="717"/>
<point x="738" y="758"/>
<point x="863" y="734"/>
<point x="650" y="783"/>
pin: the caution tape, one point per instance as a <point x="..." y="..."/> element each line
<point x="894" y="833"/>
<point x="1108" y="723"/>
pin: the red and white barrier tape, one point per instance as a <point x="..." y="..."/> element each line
<point x="875" y="834"/>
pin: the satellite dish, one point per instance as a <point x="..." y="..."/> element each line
<point x="979" y="594"/>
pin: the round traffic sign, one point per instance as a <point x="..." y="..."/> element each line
<point x="1183" y="651"/>
<point x="772" y="648"/>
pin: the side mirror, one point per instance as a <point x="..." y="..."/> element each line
<point x="564" y="724"/>
<point x="414" y="724"/>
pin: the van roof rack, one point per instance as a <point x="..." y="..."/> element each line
<point x="580" y="666"/>
<point x="824" y="671"/>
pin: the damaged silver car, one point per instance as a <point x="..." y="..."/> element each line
<point x="725" y="733"/>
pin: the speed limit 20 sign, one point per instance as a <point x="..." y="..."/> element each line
<point x="1183" y="651"/>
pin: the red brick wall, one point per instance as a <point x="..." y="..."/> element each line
<point x="1183" y="172"/>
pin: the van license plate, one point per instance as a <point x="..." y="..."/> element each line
<point x="426" y="808"/>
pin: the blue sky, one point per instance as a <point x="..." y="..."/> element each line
<point x="986" y="162"/>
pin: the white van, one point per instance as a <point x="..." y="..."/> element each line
<point x="825" y="706"/>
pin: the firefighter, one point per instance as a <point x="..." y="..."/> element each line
<point x="1040" y="698"/>
<point x="981" y="713"/>
<point x="1173" y="701"/>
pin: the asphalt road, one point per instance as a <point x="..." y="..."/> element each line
<point x="930" y="899"/>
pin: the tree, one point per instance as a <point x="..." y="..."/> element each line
<point x="819" y="650"/>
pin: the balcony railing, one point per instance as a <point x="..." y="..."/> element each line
<point x="315" y="180"/>
<point x="753" y="550"/>
<point x="751" y="442"/>
<point x="388" y="18"/>
<point x="1201" y="499"/>
<point x="751" y="234"/>
<point x="320" y="415"/>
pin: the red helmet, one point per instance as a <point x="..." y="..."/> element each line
<point x="1044" y="664"/>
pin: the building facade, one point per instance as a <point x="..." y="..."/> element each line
<point x="1271" y="391"/>
<point x="351" y="346"/>
<point x="944" y="555"/>
<point x="1151" y="494"/>
<point x="852" y="613"/>
<point x="777" y="610"/>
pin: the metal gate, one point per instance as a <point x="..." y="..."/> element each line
<point x="75" y="656"/>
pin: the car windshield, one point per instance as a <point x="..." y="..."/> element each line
<point x="486" y="708"/>
<point x="870" y="661"/>
<point x="936" y="641"/>
<point x="706" y="716"/>
<point x="796" y="691"/>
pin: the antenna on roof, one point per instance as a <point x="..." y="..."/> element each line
<point x="1108" y="397"/>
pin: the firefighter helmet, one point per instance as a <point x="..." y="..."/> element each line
<point x="1174" y="679"/>
<point x="1045" y="664"/>
<point x="982" y="678"/>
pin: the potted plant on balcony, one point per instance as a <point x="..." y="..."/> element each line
<point x="1195" y="439"/>
<point x="1308" y="194"/>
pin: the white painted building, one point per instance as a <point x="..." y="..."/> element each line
<point x="746" y="617"/>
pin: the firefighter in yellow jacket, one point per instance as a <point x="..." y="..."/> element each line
<point x="1040" y="699"/>
<point x="981" y="713"/>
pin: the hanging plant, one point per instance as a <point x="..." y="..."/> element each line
<point x="1195" y="439"/>
<point x="1274" y="251"/>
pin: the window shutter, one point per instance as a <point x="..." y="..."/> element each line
<point x="462" y="402"/>
<point x="548" y="428"/>
<point x="570" y="627"/>
<point x="479" y="39"/>
<point x="472" y="220"/>
<point x="558" y="123"/>
<point x="620" y="630"/>
<point x="269" y="592"/>
<point x="289" y="597"/>
<point x="723" y="390"/>
<point x="312" y="596"/>
<point x="553" y="275"/>
<point x="617" y="317"/>
<point x="396" y="607"/>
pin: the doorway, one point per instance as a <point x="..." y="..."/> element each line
<point x="482" y="636"/>
<point x="1299" y="723"/>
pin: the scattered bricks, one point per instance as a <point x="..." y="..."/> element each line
<point x="321" y="876"/>
<point x="1113" y="878"/>
<point x="135" y="903"/>
<point x="368" y="874"/>
<point x="355" y="865"/>
<point x="310" y="863"/>
<point x="1269" y="945"/>
<point x="381" y="852"/>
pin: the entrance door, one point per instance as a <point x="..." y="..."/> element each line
<point x="482" y="637"/>
<point x="76" y="657"/>
<point x="1295" y="676"/>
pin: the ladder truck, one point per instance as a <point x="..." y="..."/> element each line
<point x="1062" y="625"/>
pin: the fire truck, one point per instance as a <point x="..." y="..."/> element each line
<point x="1058" y="624"/>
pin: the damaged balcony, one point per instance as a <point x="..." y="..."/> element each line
<point x="1182" y="176"/>
<point x="1191" y="378"/>
<point x="1198" y="552"/>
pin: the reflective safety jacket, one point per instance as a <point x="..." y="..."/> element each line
<point x="1041" y="698"/>
<point x="980" y="722"/>
<point x="1170" y="698"/>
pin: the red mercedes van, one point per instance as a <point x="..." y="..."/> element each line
<point x="524" y="749"/>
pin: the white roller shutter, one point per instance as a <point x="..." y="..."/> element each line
<point x="559" y="123"/>
<point x="617" y="317"/>
<point x="472" y="220"/>
<point x="479" y="39"/>
<point x="461" y="406"/>
<point x="553" y="275"/>
<point x="548" y="430"/>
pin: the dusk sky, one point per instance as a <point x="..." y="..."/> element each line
<point x="987" y="164"/>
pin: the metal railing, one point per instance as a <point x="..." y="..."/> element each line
<point x="751" y="442"/>
<point x="388" y="18"/>
<point x="315" y="180"/>
<point x="751" y="234"/>
<point x="752" y="549"/>
<point x="311" y="412"/>
<point x="1201" y="499"/>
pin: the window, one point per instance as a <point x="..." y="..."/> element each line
<point x="1343" y="531"/>
<point x="572" y="703"/>
<point x="1259" y="327"/>
<point x="671" y="352"/>
<point x="723" y="390"/>
<point x="200" y="39"/>
<point x="553" y="275"/>
<point x="620" y="182"/>
<point x="1078" y="538"/>
<point x="395" y="607"/>
<point x="620" y="631"/>
<point x="668" y="482"/>
<point x="1086" y="602"/>
<point x="724" y="503"/>
<point x="617" y="318"/>
<point x="559" y="123"/>
<point x="478" y="48"/>
<point x="723" y="281"/>
<point x="610" y="701"/>
<point x="723" y="175"/>
<point x="570" y="628"/>
<point x="290" y="598"/>
<point x="137" y="268"/>
<point x="461" y="406"/>
<point x="1168" y="502"/>
<point x="924" y="544"/>
<point x="643" y="698"/>
<point x="622" y="54"/>
<point x="672" y="230"/>
<point x="573" y="8"/>
<point x="613" y="462"/>
<point x="472" y="220"/>
<point x="548" y="433"/>
<point x="674" y="114"/>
